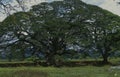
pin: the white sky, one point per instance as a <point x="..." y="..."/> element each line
<point x="28" y="3"/>
<point x="110" y="5"/>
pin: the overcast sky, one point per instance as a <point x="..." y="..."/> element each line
<point x="110" y="5"/>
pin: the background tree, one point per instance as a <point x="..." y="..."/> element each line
<point x="101" y="30"/>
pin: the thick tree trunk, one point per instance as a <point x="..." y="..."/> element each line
<point x="50" y="60"/>
<point x="105" y="53"/>
<point x="105" y="56"/>
<point x="105" y="59"/>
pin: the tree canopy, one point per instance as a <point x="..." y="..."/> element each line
<point x="49" y="28"/>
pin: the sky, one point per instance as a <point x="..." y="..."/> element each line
<point x="110" y="5"/>
<point x="28" y="4"/>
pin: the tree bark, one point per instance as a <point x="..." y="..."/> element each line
<point x="105" y="59"/>
<point x="105" y="55"/>
<point x="50" y="60"/>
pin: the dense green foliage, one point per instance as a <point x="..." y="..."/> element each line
<point x="50" y="29"/>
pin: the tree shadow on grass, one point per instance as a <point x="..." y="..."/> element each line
<point x="66" y="63"/>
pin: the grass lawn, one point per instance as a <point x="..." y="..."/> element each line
<point x="83" y="71"/>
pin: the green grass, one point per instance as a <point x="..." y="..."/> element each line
<point x="81" y="71"/>
<point x="86" y="71"/>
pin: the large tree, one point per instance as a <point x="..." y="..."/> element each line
<point x="102" y="27"/>
<point x="46" y="32"/>
<point x="50" y="27"/>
